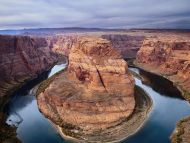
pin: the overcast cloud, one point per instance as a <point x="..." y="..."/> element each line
<point x="95" y="13"/>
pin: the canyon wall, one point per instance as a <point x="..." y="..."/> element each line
<point x="22" y="58"/>
<point x="169" y="57"/>
<point x="97" y="78"/>
<point x="127" y="45"/>
<point x="62" y="44"/>
<point x="94" y="94"/>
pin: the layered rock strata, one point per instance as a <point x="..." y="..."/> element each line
<point x="62" y="44"/>
<point x="22" y="58"/>
<point x="182" y="132"/>
<point x="95" y="93"/>
<point x="169" y="58"/>
<point x="127" y="45"/>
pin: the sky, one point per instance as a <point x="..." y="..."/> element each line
<point x="18" y="14"/>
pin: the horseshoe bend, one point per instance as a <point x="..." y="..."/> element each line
<point x="95" y="71"/>
<point x="97" y="96"/>
<point x="94" y="99"/>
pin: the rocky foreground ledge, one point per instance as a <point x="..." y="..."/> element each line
<point x="93" y="99"/>
<point x="182" y="131"/>
<point x="170" y="58"/>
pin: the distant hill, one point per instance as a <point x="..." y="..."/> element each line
<point x="46" y="31"/>
<point x="50" y="31"/>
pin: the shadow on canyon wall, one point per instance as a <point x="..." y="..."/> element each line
<point x="160" y="84"/>
<point x="8" y="133"/>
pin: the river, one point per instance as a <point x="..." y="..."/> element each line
<point x="33" y="127"/>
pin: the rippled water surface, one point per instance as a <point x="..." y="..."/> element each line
<point x="33" y="127"/>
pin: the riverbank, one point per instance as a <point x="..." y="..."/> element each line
<point x="181" y="133"/>
<point x="8" y="133"/>
<point x="184" y="93"/>
<point x="123" y="130"/>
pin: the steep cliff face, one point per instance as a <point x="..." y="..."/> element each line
<point x="93" y="94"/>
<point x="94" y="61"/>
<point x="127" y="45"/>
<point x="168" y="57"/>
<point x="62" y="44"/>
<point x="22" y="58"/>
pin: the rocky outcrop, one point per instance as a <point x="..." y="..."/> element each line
<point x="95" y="93"/>
<point x="22" y="58"/>
<point x="169" y="57"/>
<point x="62" y="44"/>
<point x="182" y="131"/>
<point x="127" y="45"/>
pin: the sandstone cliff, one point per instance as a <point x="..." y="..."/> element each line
<point x="169" y="57"/>
<point x="95" y="93"/>
<point x="127" y="45"/>
<point x="22" y="58"/>
<point x="62" y="44"/>
<point x="182" y="131"/>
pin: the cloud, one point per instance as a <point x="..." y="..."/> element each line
<point x="96" y="13"/>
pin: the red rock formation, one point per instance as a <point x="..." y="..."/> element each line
<point x="182" y="131"/>
<point x="22" y="58"/>
<point x="94" y="94"/>
<point x="127" y="45"/>
<point x="62" y="44"/>
<point x="169" y="57"/>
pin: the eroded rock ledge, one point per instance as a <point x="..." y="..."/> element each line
<point x="169" y="57"/>
<point x="127" y="45"/>
<point x="94" y="97"/>
<point x="182" y="131"/>
<point x="22" y="58"/>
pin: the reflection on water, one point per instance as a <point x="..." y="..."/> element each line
<point x="167" y="110"/>
<point x="33" y="127"/>
<point x="159" y="84"/>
